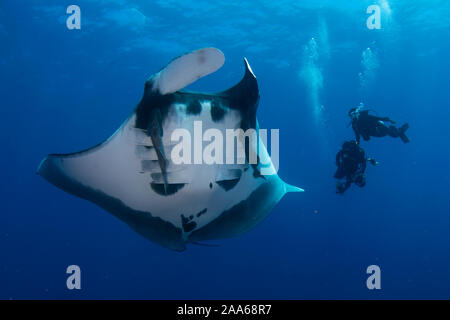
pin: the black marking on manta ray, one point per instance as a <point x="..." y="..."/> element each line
<point x="256" y="173"/>
<point x="201" y="212"/>
<point x="194" y="108"/>
<point x="151" y="166"/>
<point x="227" y="185"/>
<point x="170" y="189"/>
<point x="217" y="111"/>
<point x="155" y="128"/>
<point x="187" y="223"/>
<point x="240" y="97"/>
<point x="235" y="216"/>
<point x="149" y="103"/>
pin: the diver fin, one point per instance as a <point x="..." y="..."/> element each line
<point x="186" y="69"/>
<point x="402" y="134"/>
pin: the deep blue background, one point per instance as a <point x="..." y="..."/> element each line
<point x="63" y="91"/>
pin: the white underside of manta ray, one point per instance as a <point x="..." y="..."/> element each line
<point x="131" y="174"/>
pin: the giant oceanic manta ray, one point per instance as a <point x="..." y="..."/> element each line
<point x="132" y="176"/>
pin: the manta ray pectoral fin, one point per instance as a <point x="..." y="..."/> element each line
<point x="291" y="188"/>
<point x="186" y="69"/>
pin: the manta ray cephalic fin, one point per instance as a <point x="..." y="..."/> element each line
<point x="186" y="69"/>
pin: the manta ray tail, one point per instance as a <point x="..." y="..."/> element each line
<point x="204" y="244"/>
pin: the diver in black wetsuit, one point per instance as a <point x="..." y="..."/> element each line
<point x="351" y="162"/>
<point x="367" y="125"/>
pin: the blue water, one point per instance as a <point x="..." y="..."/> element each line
<point x="65" y="90"/>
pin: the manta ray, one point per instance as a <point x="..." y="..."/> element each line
<point x="132" y="174"/>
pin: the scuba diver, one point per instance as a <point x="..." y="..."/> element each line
<point x="351" y="162"/>
<point x="367" y="125"/>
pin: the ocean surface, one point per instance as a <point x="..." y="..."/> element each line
<point x="66" y="90"/>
